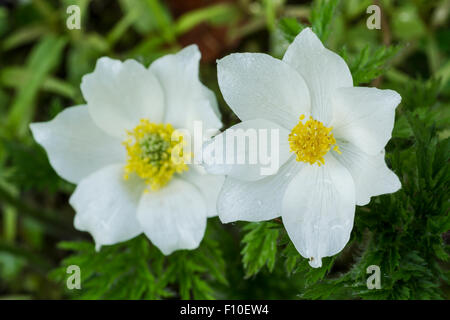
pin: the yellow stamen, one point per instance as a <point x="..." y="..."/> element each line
<point x="153" y="153"/>
<point x="311" y="141"/>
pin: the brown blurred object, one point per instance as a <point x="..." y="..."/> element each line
<point x="213" y="41"/>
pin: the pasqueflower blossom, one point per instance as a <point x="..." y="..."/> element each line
<point x="123" y="151"/>
<point x="331" y="150"/>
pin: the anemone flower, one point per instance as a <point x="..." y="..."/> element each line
<point x="119" y="150"/>
<point x="331" y="148"/>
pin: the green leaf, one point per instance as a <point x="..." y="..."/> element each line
<point x="215" y="14"/>
<point x="135" y="269"/>
<point x="290" y="28"/>
<point x="322" y="14"/>
<point x="15" y="76"/>
<point x="369" y="64"/>
<point x="163" y="19"/>
<point x="260" y="246"/>
<point x="24" y="36"/>
<point x="42" y="60"/>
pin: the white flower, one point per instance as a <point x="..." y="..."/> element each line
<point x="116" y="148"/>
<point x="332" y="139"/>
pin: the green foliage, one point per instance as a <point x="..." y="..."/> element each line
<point x="294" y="263"/>
<point x="24" y="171"/>
<point x="42" y="60"/>
<point x="290" y="28"/>
<point x="262" y="241"/>
<point x="322" y="14"/>
<point x="137" y="270"/>
<point x="369" y="64"/>
<point x="260" y="246"/>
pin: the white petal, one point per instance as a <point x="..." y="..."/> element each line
<point x="255" y="200"/>
<point x="75" y="146"/>
<point x="119" y="94"/>
<point x="322" y="70"/>
<point x="371" y="175"/>
<point x="249" y="150"/>
<point x="173" y="217"/>
<point x="211" y="96"/>
<point x="318" y="210"/>
<point x="186" y="97"/>
<point x="106" y="205"/>
<point x="364" y="117"/>
<point x="257" y="85"/>
<point x="208" y="184"/>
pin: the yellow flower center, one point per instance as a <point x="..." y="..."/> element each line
<point x="155" y="153"/>
<point x="311" y="141"/>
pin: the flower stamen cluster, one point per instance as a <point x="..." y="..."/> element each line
<point x="311" y="141"/>
<point x="154" y="154"/>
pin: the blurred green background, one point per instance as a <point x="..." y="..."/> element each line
<point x="42" y="62"/>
